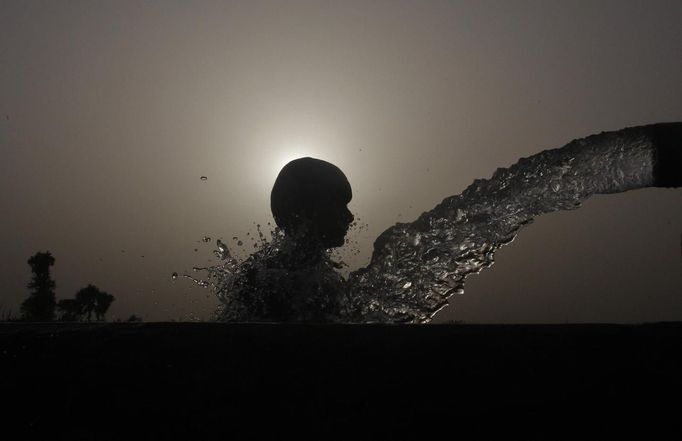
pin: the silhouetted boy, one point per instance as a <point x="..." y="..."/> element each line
<point x="295" y="280"/>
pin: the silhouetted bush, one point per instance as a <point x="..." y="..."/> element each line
<point x="70" y="310"/>
<point x="90" y="300"/>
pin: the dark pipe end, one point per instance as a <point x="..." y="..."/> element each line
<point x="667" y="139"/>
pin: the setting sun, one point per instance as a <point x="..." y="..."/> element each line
<point x="287" y="154"/>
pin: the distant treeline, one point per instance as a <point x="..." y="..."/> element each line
<point x="42" y="306"/>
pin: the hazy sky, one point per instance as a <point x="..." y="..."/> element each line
<point x="112" y="111"/>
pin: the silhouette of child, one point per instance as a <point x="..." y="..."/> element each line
<point x="295" y="280"/>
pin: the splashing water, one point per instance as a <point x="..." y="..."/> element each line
<point x="416" y="267"/>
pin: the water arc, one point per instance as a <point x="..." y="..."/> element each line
<point x="416" y="267"/>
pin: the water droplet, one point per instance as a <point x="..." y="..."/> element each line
<point x="204" y="178"/>
<point x="240" y="243"/>
<point x="174" y="276"/>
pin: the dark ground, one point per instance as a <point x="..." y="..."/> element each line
<point x="210" y="380"/>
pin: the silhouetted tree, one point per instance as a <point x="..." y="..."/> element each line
<point x="40" y="304"/>
<point x="70" y="310"/>
<point x="103" y="301"/>
<point x="85" y="298"/>
<point x="91" y="300"/>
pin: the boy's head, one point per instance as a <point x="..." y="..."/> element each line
<point x="309" y="199"/>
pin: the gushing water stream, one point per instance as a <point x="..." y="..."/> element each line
<point x="416" y="267"/>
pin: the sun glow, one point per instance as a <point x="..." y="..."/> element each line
<point x="284" y="156"/>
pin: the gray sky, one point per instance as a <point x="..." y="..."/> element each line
<point x="111" y="112"/>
